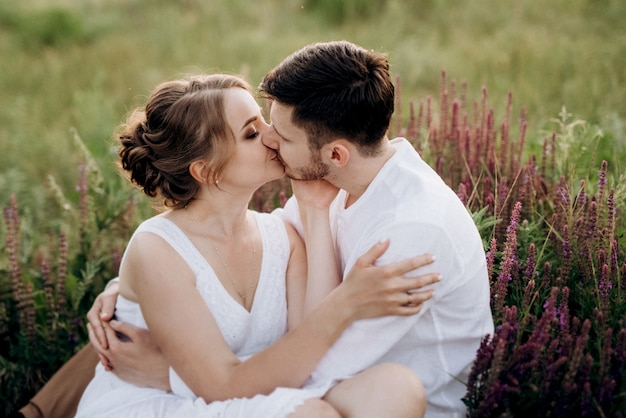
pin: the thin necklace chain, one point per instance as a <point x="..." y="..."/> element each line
<point x="250" y="287"/>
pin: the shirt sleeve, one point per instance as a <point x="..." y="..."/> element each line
<point x="110" y="282"/>
<point x="367" y="341"/>
<point x="290" y="214"/>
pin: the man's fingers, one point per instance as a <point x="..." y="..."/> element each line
<point x="105" y="363"/>
<point x="128" y="331"/>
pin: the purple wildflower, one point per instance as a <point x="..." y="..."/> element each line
<point x="61" y="273"/>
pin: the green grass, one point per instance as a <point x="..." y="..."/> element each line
<point x="82" y="64"/>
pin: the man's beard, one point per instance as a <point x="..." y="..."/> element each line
<point x="314" y="171"/>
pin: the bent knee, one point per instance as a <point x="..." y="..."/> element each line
<point x="315" y="408"/>
<point x="403" y="381"/>
<point x="404" y="389"/>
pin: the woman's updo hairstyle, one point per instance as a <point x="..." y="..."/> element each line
<point x="183" y="122"/>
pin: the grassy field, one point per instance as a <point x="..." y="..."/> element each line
<point x="83" y="64"/>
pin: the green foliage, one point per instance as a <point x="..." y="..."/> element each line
<point x="51" y="271"/>
<point x="581" y="148"/>
<point x="346" y="10"/>
<point x="53" y="27"/>
<point x="485" y="224"/>
<point x="564" y="53"/>
<point x="547" y="208"/>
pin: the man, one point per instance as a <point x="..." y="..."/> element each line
<point x="330" y="111"/>
<point x="331" y="108"/>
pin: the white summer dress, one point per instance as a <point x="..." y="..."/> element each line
<point x="245" y="332"/>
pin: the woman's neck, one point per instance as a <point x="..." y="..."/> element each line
<point x="218" y="213"/>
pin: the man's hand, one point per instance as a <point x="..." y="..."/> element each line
<point x="132" y="355"/>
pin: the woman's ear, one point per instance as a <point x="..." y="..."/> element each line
<point x="338" y="152"/>
<point x="199" y="171"/>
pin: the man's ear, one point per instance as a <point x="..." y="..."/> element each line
<point x="338" y="152"/>
<point x="199" y="170"/>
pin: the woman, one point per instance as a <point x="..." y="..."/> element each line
<point x="212" y="280"/>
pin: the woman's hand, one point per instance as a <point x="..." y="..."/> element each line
<point x="314" y="193"/>
<point x="374" y="291"/>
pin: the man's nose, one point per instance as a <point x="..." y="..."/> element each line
<point x="270" y="139"/>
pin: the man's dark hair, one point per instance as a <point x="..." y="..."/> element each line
<point x="337" y="89"/>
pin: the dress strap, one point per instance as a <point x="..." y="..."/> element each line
<point x="177" y="239"/>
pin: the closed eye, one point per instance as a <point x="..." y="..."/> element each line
<point x="278" y="133"/>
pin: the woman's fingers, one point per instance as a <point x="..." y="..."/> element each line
<point x="98" y="347"/>
<point x="409" y="300"/>
<point x="411" y="284"/>
<point x="93" y="316"/>
<point x="411" y="303"/>
<point x="402" y="267"/>
<point x="102" y="311"/>
<point x="388" y="289"/>
<point x="417" y="298"/>
<point x="372" y="254"/>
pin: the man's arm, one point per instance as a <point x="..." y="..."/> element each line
<point x="365" y="342"/>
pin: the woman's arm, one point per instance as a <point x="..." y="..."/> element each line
<point x="317" y="262"/>
<point x="295" y="278"/>
<point x="184" y="328"/>
<point x="322" y="273"/>
<point x="187" y="333"/>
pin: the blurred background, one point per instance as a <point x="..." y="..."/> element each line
<point x="83" y="64"/>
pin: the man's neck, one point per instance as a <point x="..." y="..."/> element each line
<point x="360" y="172"/>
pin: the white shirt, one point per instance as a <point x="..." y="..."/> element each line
<point x="411" y="205"/>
